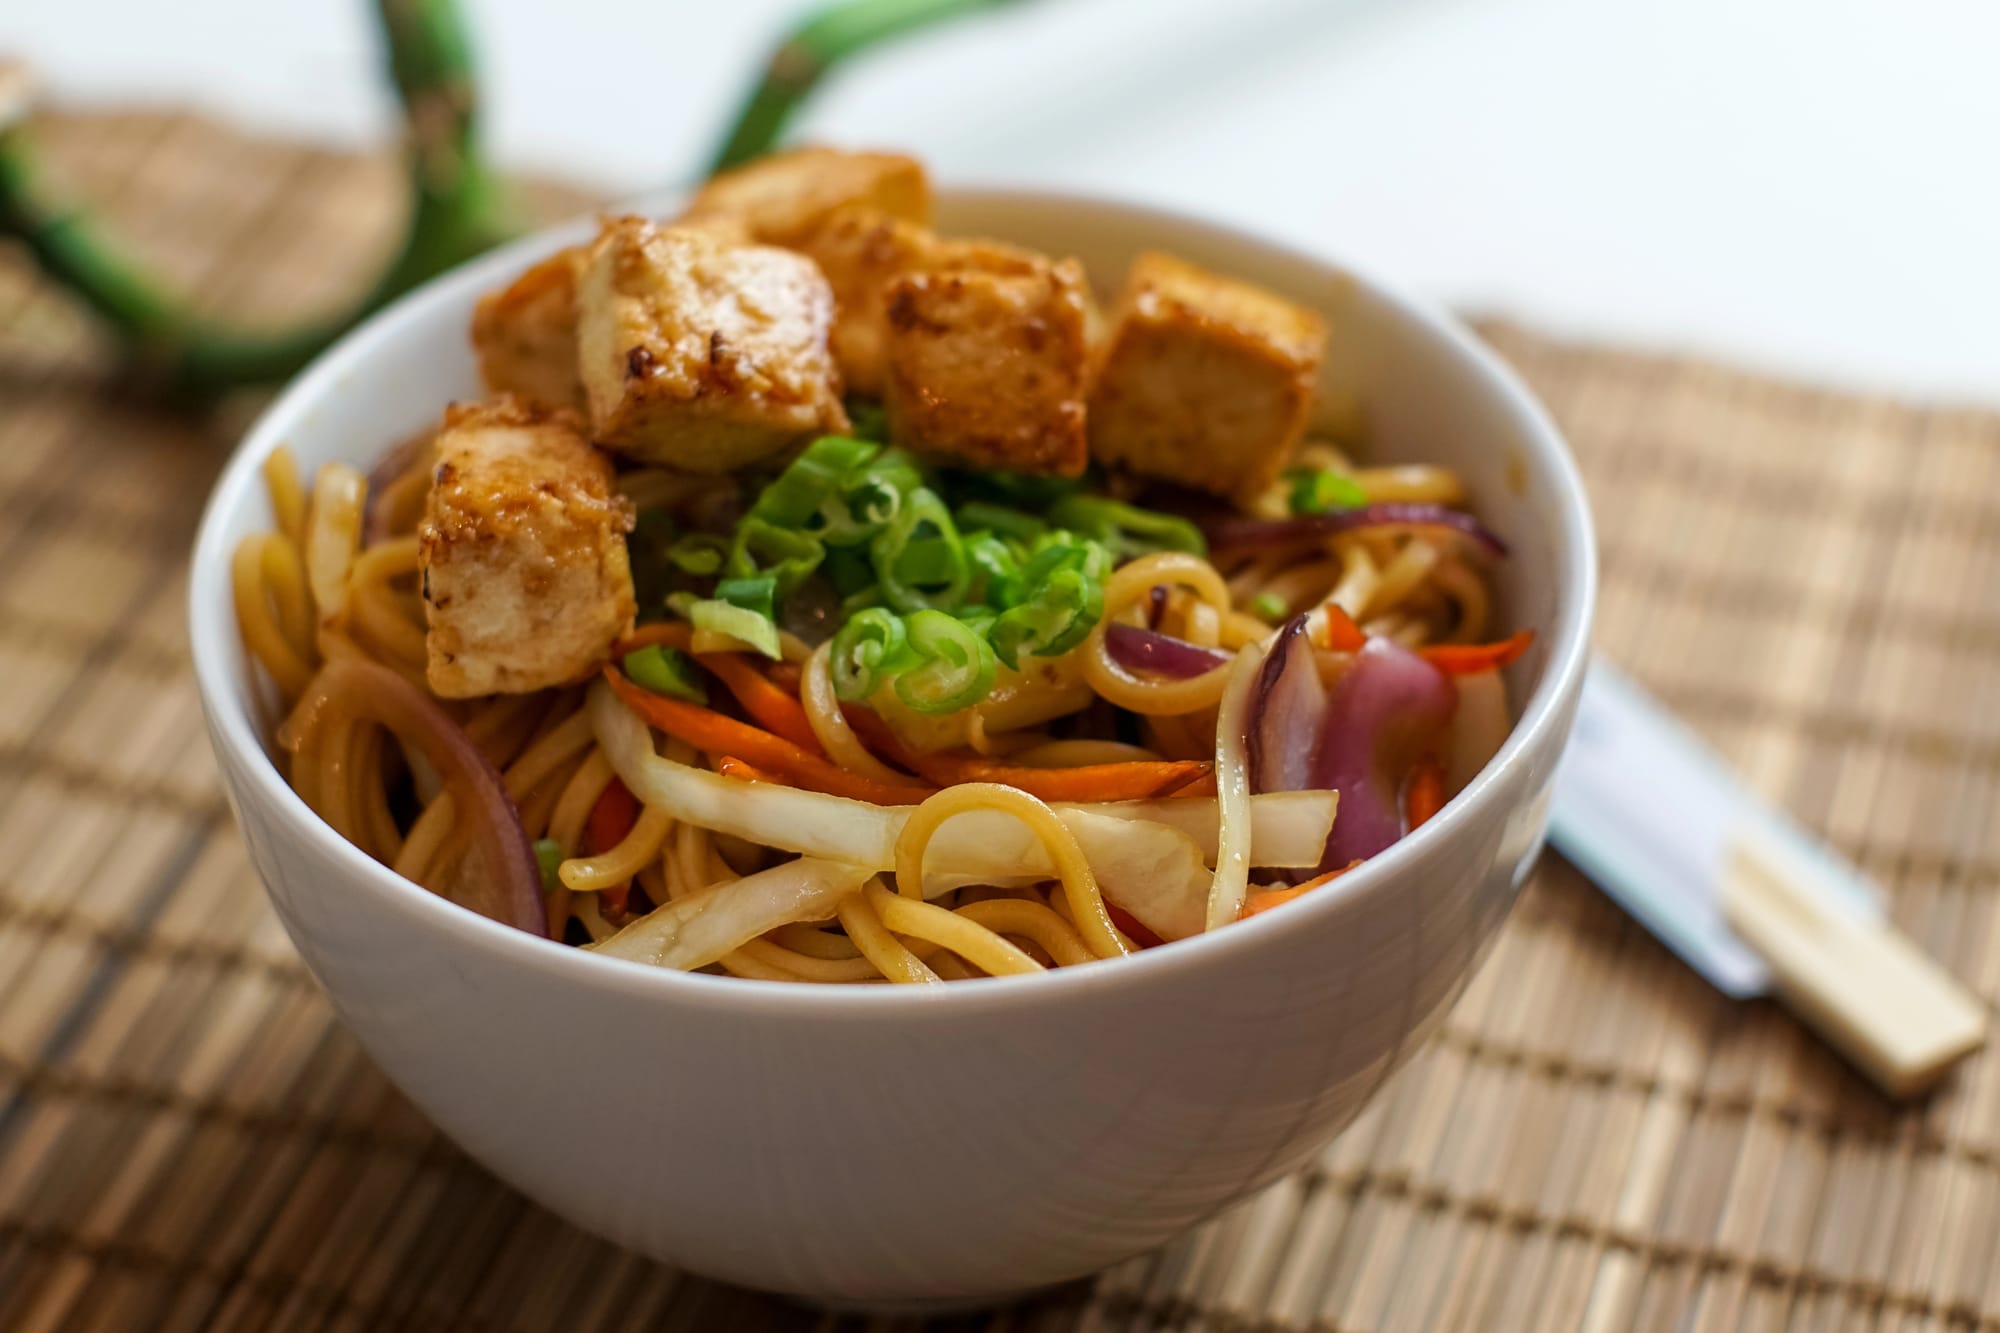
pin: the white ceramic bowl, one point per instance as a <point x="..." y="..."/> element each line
<point x="877" y="1146"/>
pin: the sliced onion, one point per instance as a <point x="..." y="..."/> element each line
<point x="1385" y="710"/>
<point x="1287" y="829"/>
<point x="1153" y="869"/>
<point x="696" y="930"/>
<point x="1288" y="717"/>
<point x="510" y="890"/>
<point x="1239" y="533"/>
<point x="1138" y="649"/>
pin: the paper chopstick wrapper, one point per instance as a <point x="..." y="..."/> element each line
<point x="1744" y="894"/>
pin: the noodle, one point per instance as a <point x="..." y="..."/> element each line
<point x="1037" y="921"/>
<point x="966" y="938"/>
<point x="859" y="919"/>
<point x="1232" y="794"/>
<point x="1122" y="592"/>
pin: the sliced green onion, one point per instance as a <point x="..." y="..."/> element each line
<point x="667" y="671"/>
<point x="868" y="499"/>
<point x="757" y="593"/>
<point x="956" y="669"/>
<point x="1317" y="491"/>
<point x="699" y="553"/>
<point x="932" y="588"/>
<point x="549" y="858"/>
<point x="1058" y="615"/>
<point x="1127" y="529"/>
<point x="977" y="514"/>
<point x="798" y="492"/>
<point x="848" y="570"/>
<point x="748" y="624"/>
<point x="762" y="547"/>
<point x="1267" y="606"/>
<point x="870" y="646"/>
<point x="999" y="569"/>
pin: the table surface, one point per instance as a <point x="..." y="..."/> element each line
<point x="1795" y="184"/>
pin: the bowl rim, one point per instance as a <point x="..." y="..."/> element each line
<point x="234" y="729"/>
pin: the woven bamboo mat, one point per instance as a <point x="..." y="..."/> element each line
<point x="1596" y="1141"/>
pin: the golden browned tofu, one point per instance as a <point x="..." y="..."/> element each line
<point x="1204" y="381"/>
<point x="699" y="355"/>
<point x="861" y="251"/>
<point x="525" y="333"/>
<point x="522" y="553"/>
<point x="785" y="195"/>
<point x="987" y="359"/>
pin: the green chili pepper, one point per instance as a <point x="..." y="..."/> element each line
<point x="667" y="671"/>
<point x="955" y="664"/>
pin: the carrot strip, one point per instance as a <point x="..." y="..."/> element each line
<point x="1424" y="794"/>
<point x="1265" y="899"/>
<point x="616" y="811"/>
<point x="712" y="733"/>
<point x="1342" y="634"/>
<point x="1137" y="781"/>
<point x="785" y="675"/>
<point x="773" y="709"/>
<point x="1469" y="659"/>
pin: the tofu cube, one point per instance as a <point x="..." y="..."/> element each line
<point x="784" y="196"/>
<point x="703" y="356"/>
<point x="987" y="359"/>
<point x="525" y="334"/>
<point x="1204" y="381"/>
<point x="522" y="554"/>
<point x="861" y="251"/>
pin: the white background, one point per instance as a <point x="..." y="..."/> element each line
<point x="1807" y="185"/>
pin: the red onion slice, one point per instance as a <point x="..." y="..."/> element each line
<point x="1237" y="533"/>
<point x="1289" y="715"/>
<point x="1138" y="649"/>
<point x="511" y="890"/>
<point x="1385" y="710"/>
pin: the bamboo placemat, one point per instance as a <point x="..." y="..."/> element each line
<point x="1596" y="1141"/>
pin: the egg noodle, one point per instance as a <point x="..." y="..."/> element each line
<point x="692" y="855"/>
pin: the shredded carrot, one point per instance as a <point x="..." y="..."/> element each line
<point x="773" y="709"/>
<point x="1137" y="781"/>
<point x="713" y="733"/>
<point x="616" y="811"/>
<point x="1423" y="795"/>
<point x="1265" y="899"/>
<point x="786" y="676"/>
<point x="1469" y="659"/>
<point x="1342" y="634"/>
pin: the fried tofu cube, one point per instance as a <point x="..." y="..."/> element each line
<point x="526" y="581"/>
<point x="525" y="334"/>
<point x="784" y="196"/>
<point x="703" y="356"/>
<point x="987" y="360"/>
<point x="1203" y="381"/>
<point x="861" y="251"/>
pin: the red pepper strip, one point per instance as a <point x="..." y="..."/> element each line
<point x="1342" y="634"/>
<point x="713" y="733"/>
<point x="1265" y="899"/>
<point x="1128" y="923"/>
<point x="1469" y="659"/>
<point x="611" y="819"/>
<point x="1423" y="796"/>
